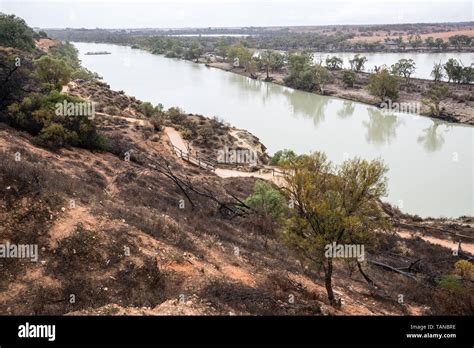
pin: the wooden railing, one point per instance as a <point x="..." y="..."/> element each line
<point x="276" y="172"/>
<point x="200" y="160"/>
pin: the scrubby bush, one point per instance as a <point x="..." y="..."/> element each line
<point x="269" y="207"/>
<point x="334" y="63"/>
<point x="56" y="135"/>
<point x="384" y="85"/>
<point x="51" y="72"/>
<point x="37" y="115"/>
<point x="147" y="109"/>
<point x="157" y="121"/>
<point x="283" y="157"/>
<point x="349" y="78"/>
<point x="464" y="269"/>
<point x="15" y="33"/>
<point x="112" y="110"/>
<point x="176" y="115"/>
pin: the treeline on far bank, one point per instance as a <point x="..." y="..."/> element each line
<point x="330" y="39"/>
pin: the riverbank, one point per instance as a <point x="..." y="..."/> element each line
<point x="458" y="108"/>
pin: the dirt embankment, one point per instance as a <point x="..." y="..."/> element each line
<point x="45" y="44"/>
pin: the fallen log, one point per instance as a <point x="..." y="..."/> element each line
<point x="392" y="269"/>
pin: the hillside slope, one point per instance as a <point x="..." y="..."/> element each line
<point x="156" y="235"/>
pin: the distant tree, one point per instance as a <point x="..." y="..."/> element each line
<point x="277" y="61"/>
<point x="416" y="41"/>
<point x="15" y="33"/>
<point x="468" y="74"/>
<point x="349" y="78"/>
<point x="430" y="42"/>
<point x="400" y="43"/>
<point x="333" y="205"/>
<point x="321" y="76"/>
<point x="194" y="51"/>
<point x="301" y="73"/>
<point x="437" y="72"/>
<point x="439" y="43"/>
<point x="404" y="67"/>
<point x="266" y="60"/>
<point x="334" y="63"/>
<point x="459" y="41"/>
<point x="454" y="70"/>
<point x="384" y="85"/>
<point x="357" y="63"/>
<point x="221" y="48"/>
<point x="434" y="96"/>
<point x="244" y="55"/>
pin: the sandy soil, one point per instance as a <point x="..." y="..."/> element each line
<point x="45" y="44"/>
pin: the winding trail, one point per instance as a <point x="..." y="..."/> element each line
<point x="180" y="145"/>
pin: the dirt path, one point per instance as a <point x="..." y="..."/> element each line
<point x="179" y="143"/>
<point x="176" y="139"/>
<point x="467" y="247"/>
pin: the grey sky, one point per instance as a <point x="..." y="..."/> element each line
<point x="228" y="13"/>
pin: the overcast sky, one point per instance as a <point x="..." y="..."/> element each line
<point x="228" y="13"/>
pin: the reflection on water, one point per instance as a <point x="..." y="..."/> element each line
<point x="308" y="105"/>
<point x="347" y="109"/>
<point x="431" y="139"/>
<point x="381" y="127"/>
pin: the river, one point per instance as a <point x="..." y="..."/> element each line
<point x="431" y="162"/>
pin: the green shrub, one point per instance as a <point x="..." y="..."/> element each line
<point x="383" y="85"/>
<point x="266" y="199"/>
<point x="450" y="282"/>
<point x="147" y="109"/>
<point x="51" y="72"/>
<point x="465" y="269"/>
<point x="176" y="115"/>
<point x="349" y="78"/>
<point x="282" y="157"/>
<point x="55" y="135"/>
<point x="15" y="33"/>
<point x="36" y="114"/>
